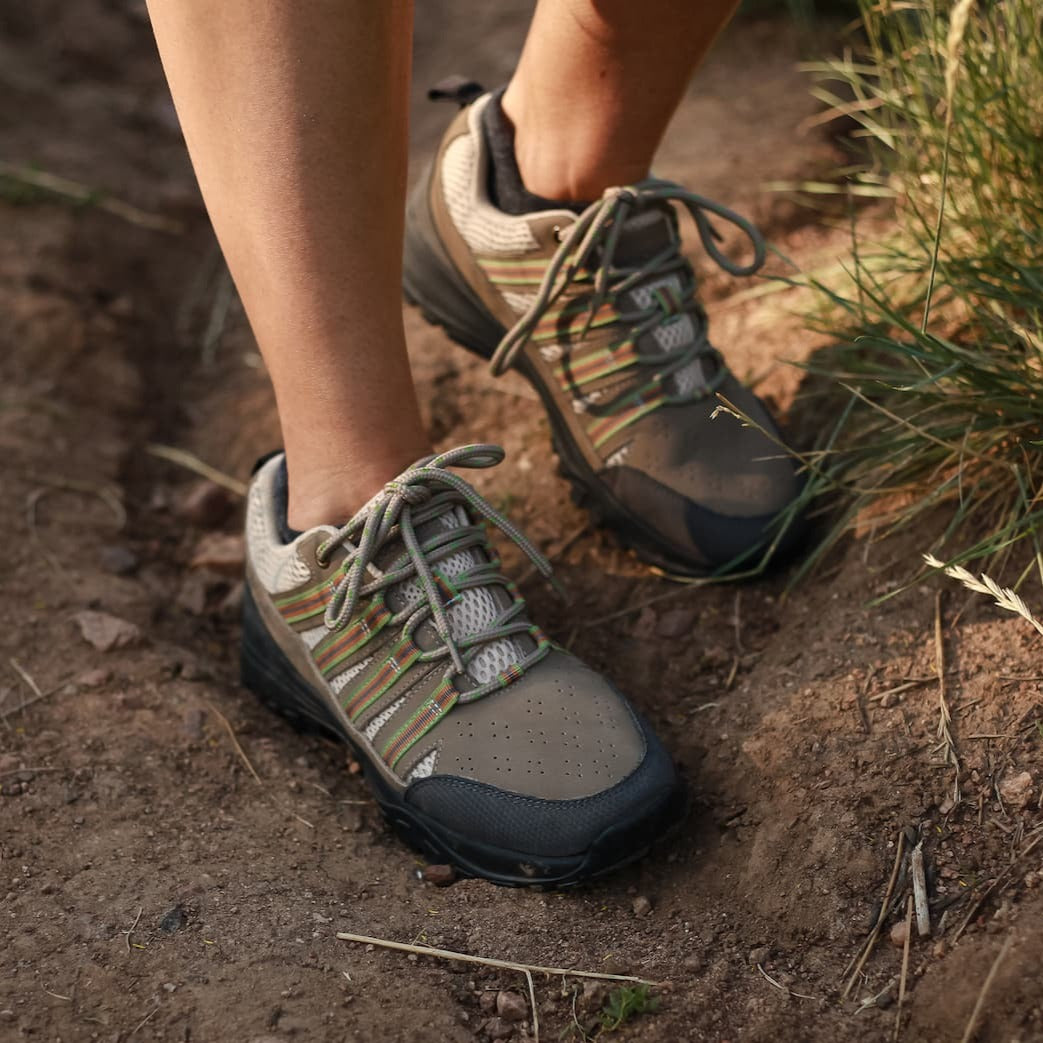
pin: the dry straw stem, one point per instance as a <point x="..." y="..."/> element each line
<point x="972" y="1023"/>
<point x="192" y="463"/>
<point x="1003" y="597"/>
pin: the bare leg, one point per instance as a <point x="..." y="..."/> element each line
<point x="596" y="85"/>
<point x="295" y="116"/>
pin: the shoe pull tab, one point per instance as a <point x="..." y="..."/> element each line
<point x="456" y="88"/>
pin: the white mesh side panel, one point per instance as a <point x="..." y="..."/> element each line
<point x="382" y="718"/>
<point x="485" y="229"/>
<point x="518" y="302"/>
<point x="346" y="675"/>
<point x="672" y="336"/>
<point x="475" y="612"/>
<point x="312" y="637"/>
<point x="425" y="767"/>
<point x="276" y="563"/>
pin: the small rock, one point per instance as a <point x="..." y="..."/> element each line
<point x="205" y="504"/>
<point x="439" y="875"/>
<point x="221" y="552"/>
<point x="760" y="954"/>
<point x="1016" y="790"/>
<point x="192" y="722"/>
<point x="487" y="1002"/>
<point x="641" y="906"/>
<point x="106" y="632"/>
<point x="118" y="560"/>
<point x="191" y="593"/>
<point x="512" y="1006"/>
<point x="677" y="622"/>
<point x="899" y="933"/>
<point x="173" y="919"/>
<point x="884" y="999"/>
<point x="230" y="607"/>
<point x="94" y="678"/>
<point x="497" y="1028"/>
<point x="7" y="1015"/>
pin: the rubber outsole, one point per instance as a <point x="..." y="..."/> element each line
<point x="267" y="672"/>
<point x="432" y="283"/>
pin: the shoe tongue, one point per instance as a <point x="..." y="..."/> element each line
<point x="646" y="234"/>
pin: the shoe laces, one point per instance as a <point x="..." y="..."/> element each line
<point x="587" y="254"/>
<point x="421" y="494"/>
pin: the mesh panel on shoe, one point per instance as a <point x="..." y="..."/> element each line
<point x="671" y="336"/>
<point x="485" y="229"/>
<point x="382" y="718"/>
<point x="276" y="563"/>
<point x="475" y="612"/>
<point x="345" y="676"/>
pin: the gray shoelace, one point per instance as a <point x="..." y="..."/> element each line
<point x="418" y="495"/>
<point x="600" y="226"/>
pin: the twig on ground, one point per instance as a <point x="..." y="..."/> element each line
<point x="782" y="988"/>
<point x="532" y="1003"/>
<point x="923" y="909"/>
<point x="86" y="196"/>
<point x="130" y="930"/>
<point x="945" y="719"/>
<point x="881" y="916"/>
<point x="905" y="966"/>
<point x="26" y="677"/>
<point x="1001" y="879"/>
<point x="34" y="770"/>
<point x="737" y="621"/>
<point x="191" y="462"/>
<point x="143" y="1022"/>
<point x="238" y="749"/>
<point x="448" y="954"/>
<point x="972" y="1024"/>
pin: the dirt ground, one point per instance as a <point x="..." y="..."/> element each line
<point x="152" y="887"/>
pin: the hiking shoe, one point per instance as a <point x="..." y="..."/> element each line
<point x="598" y="311"/>
<point x="486" y="746"/>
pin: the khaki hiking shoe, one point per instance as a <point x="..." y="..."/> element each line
<point x="486" y="745"/>
<point x="598" y="311"/>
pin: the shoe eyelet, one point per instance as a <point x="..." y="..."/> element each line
<point x="559" y="234"/>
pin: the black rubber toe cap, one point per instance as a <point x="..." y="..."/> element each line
<point x="692" y="535"/>
<point x="608" y="827"/>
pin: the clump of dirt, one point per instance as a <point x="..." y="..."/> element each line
<point x="175" y="863"/>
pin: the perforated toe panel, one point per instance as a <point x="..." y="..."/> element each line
<point x="559" y="733"/>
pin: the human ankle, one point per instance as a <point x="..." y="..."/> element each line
<point x="561" y="153"/>
<point x="332" y="494"/>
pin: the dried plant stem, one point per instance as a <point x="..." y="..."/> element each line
<point x="448" y="954"/>
<point x="905" y="966"/>
<point x="238" y="749"/>
<point x="190" y="462"/>
<point x="972" y="1024"/>
<point x="1003" y="597"/>
<point x="945" y="719"/>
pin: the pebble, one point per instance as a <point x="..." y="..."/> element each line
<point x="7" y="1015"/>
<point x="173" y="919"/>
<point x="439" y="875"/>
<point x="118" y="560"/>
<point x="94" y="678"/>
<point x="511" y="1006"/>
<point x="192" y="591"/>
<point x="487" y="1002"/>
<point x="192" y="722"/>
<point x="1016" y="790"/>
<point x="205" y="504"/>
<point x="641" y="906"/>
<point x="222" y="552"/>
<point x="760" y="954"/>
<point x="106" y="632"/>
<point x="898" y="934"/>
<point x="497" y="1028"/>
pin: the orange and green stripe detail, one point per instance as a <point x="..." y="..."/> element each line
<point x="430" y="712"/>
<point x="602" y="429"/>
<point x="402" y="657"/>
<point x="338" y="646"/>
<point x="305" y="605"/>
